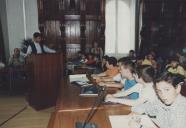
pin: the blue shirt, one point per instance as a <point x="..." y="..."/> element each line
<point x="128" y="84"/>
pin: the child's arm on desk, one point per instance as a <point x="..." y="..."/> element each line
<point x="111" y="84"/>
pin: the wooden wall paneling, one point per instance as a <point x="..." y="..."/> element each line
<point x="102" y="24"/>
<point x="71" y="50"/>
<point x="72" y="7"/>
<point x="91" y="33"/>
<point x="82" y="24"/>
<point x="2" y="48"/>
<point x="40" y="10"/>
<point x="183" y="9"/>
<point x="72" y="22"/>
<point x="72" y="32"/>
<point x="72" y="38"/>
<point x="62" y="28"/>
<point x="92" y="7"/>
<point x="53" y="33"/>
<point x="51" y="9"/>
<point x="163" y="25"/>
<point x="41" y="15"/>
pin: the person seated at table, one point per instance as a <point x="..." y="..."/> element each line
<point x="16" y="59"/>
<point x="144" y="78"/>
<point x="127" y="70"/>
<point x="132" y="56"/>
<point x="97" y="51"/>
<point x="181" y="57"/>
<point x="150" y="60"/>
<point x="103" y="63"/>
<point x="116" y="81"/>
<point x="37" y="47"/>
<point x="169" y="111"/>
<point x="111" y="71"/>
<point x="90" y="60"/>
<point x="83" y="58"/>
<point x="174" y="66"/>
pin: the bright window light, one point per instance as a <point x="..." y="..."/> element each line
<point x="120" y="26"/>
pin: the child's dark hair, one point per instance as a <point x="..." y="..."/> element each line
<point x="105" y="57"/>
<point x="173" y="79"/>
<point x="131" y="51"/>
<point x="146" y="72"/>
<point x="36" y="34"/>
<point x="123" y="59"/>
<point x="112" y="60"/>
<point x="130" y="65"/>
<point x="174" y="58"/>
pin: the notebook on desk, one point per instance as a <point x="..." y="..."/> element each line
<point x="122" y="121"/>
<point x="89" y="91"/>
<point x="78" y="77"/>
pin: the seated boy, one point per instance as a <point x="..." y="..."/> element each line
<point x="111" y="71"/>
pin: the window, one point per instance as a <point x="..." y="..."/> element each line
<point x="120" y="27"/>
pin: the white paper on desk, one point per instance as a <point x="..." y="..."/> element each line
<point x="78" y="77"/>
<point x="119" y="121"/>
<point x="122" y="121"/>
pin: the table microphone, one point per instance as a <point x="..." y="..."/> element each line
<point x="94" y="108"/>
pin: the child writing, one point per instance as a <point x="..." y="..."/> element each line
<point x="127" y="69"/>
<point x="144" y="87"/>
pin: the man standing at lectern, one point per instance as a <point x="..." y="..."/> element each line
<point x="36" y="47"/>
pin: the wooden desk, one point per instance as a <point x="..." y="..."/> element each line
<point x="71" y="108"/>
<point x="84" y="69"/>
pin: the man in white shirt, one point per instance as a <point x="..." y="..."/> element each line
<point x="36" y="47"/>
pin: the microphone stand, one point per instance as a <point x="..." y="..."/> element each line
<point x="94" y="108"/>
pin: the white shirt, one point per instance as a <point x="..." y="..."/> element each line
<point x="118" y="78"/>
<point x="148" y="93"/>
<point x="173" y="116"/>
<point x="39" y="50"/>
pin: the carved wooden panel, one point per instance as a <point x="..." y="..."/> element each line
<point x="72" y="7"/>
<point x="92" y="7"/>
<point x="71" y="50"/>
<point x="91" y="32"/>
<point x="72" y="31"/>
<point x="72" y="22"/>
<point x="53" y="33"/>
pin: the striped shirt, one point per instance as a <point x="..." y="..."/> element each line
<point x="173" y="116"/>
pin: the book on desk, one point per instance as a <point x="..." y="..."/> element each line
<point x="86" y="88"/>
<point x="89" y="91"/>
<point x="79" y="80"/>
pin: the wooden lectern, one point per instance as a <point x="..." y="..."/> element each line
<point x="45" y="72"/>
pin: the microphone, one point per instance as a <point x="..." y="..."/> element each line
<point x="93" y="110"/>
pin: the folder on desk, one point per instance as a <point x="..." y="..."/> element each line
<point x="78" y="77"/>
<point x="89" y="91"/>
